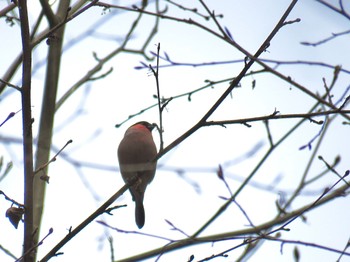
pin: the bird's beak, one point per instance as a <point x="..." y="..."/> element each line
<point x="154" y="125"/>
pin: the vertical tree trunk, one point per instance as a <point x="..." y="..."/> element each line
<point x="27" y="132"/>
<point x="48" y="111"/>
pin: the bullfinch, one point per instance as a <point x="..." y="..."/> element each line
<point x="136" y="155"/>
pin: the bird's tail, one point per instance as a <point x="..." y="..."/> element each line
<point x="139" y="213"/>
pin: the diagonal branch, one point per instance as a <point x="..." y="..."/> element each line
<point x="51" y="17"/>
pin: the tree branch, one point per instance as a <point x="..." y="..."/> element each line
<point x="27" y="131"/>
<point x="48" y="111"/>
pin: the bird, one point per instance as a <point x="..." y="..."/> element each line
<point x="137" y="160"/>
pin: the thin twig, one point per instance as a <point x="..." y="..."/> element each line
<point x="110" y="241"/>
<point x="345" y="248"/>
<point x="10" y="85"/>
<point x="160" y="108"/>
<point x="44" y="166"/>
<point x="306" y="116"/>
<point x="11" y="200"/>
<point x="36" y="246"/>
<point x="53" y="159"/>
<point x="12" y="114"/>
<point x="332" y="169"/>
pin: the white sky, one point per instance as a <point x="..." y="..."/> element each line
<point x="126" y="91"/>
